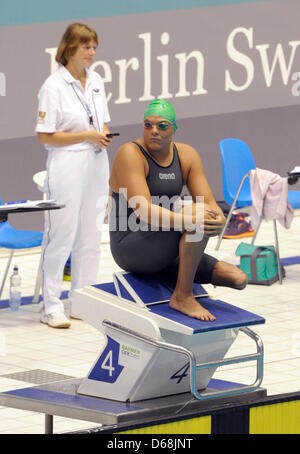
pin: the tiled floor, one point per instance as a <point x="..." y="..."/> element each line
<point x="28" y="345"/>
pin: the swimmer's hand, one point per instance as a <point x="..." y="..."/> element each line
<point x="201" y="217"/>
<point x="213" y="222"/>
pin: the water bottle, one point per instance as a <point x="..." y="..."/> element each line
<point x="15" y="290"/>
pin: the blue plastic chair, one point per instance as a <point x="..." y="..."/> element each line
<point x="237" y="162"/>
<point x="13" y="239"/>
<point x="294" y="199"/>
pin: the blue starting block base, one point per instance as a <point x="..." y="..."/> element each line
<point x="152" y="350"/>
<point x="62" y="399"/>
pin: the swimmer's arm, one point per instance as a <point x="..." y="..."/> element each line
<point x="196" y="179"/>
<point x="198" y="186"/>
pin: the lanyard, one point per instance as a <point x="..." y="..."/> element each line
<point x="84" y="104"/>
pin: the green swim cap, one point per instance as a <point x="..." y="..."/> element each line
<point x="161" y="108"/>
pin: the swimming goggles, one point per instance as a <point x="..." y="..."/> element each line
<point x="162" y="125"/>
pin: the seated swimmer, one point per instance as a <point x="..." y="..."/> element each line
<point x="147" y="235"/>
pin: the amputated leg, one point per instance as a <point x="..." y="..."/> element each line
<point x="227" y="275"/>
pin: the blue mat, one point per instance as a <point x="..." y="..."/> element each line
<point x="290" y="261"/>
<point x="107" y="287"/>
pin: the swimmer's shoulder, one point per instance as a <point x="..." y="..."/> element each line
<point x="129" y="155"/>
<point x="188" y="154"/>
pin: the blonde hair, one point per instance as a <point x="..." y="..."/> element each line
<point x="75" y="35"/>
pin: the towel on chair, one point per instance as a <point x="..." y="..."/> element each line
<point x="269" y="198"/>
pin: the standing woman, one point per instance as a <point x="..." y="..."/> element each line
<point x="72" y="117"/>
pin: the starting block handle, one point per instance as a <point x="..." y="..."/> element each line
<point x="258" y="357"/>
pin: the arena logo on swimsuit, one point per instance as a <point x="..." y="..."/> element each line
<point x="167" y="176"/>
<point x="191" y="67"/>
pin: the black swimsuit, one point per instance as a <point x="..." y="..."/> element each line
<point x="140" y="248"/>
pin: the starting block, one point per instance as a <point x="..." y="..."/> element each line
<point x="152" y="350"/>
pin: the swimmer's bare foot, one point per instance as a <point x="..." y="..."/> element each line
<point x="188" y="305"/>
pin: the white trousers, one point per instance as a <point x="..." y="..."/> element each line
<point x="78" y="179"/>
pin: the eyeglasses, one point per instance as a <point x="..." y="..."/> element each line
<point x="162" y="125"/>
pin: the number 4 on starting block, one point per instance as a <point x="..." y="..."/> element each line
<point x="107" y="368"/>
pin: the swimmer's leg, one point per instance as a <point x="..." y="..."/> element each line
<point x="183" y="300"/>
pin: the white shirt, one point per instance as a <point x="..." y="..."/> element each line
<point x="65" y="106"/>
